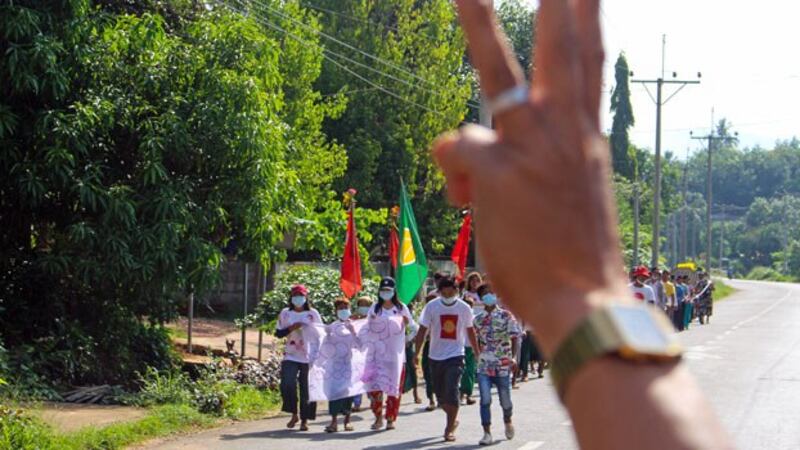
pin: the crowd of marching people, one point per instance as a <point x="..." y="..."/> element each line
<point x="459" y="337"/>
<point x="682" y="298"/>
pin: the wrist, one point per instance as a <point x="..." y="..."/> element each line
<point x="564" y="310"/>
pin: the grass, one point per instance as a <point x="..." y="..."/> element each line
<point x="722" y="290"/>
<point x="31" y="433"/>
<point x="249" y="403"/>
<point x="162" y="421"/>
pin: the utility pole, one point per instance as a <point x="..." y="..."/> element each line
<point x="660" y="82"/>
<point x="684" y="208"/>
<point x="721" y="236"/>
<point x="636" y="221"/>
<point x="711" y="138"/>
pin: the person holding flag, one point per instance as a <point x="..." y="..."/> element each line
<point x="412" y="267"/>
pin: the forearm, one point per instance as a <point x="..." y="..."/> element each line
<point x="655" y="407"/>
<point x="419" y="341"/>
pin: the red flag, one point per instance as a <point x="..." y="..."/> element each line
<point x="350" y="280"/>
<point x="461" y="248"/>
<point x="394" y="246"/>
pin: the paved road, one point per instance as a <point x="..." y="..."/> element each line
<point x="747" y="360"/>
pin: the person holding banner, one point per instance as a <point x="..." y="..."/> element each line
<point x="342" y="406"/>
<point x="450" y="323"/>
<point x="294" y="366"/>
<point x="388" y="306"/>
<point x="363" y="305"/>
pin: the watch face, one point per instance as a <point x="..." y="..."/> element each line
<point x="640" y="330"/>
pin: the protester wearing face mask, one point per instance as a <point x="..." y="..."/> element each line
<point x="341" y="406"/>
<point x="450" y="323"/>
<point x="294" y="367"/>
<point x="497" y="332"/>
<point x="363" y="305"/>
<point x="388" y="305"/>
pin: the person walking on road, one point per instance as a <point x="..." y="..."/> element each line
<point x="426" y="366"/>
<point x="450" y="323"/>
<point x="388" y="305"/>
<point x="294" y="367"/>
<point x="497" y="332"/>
<point x="642" y="291"/>
<point x="342" y="406"/>
<point x="670" y="302"/>
<point x="363" y="305"/>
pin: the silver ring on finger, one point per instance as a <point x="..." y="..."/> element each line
<point x="509" y="99"/>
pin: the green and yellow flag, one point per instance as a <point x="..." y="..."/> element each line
<point x="413" y="267"/>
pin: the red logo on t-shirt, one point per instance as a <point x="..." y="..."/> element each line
<point x="449" y="326"/>
<point x="639" y="295"/>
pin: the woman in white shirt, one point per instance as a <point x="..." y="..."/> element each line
<point x="388" y="305"/>
<point x="294" y="367"/>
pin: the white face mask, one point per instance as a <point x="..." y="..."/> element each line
<point x="298" y="300"/>
<point x="343" y="314"/>
<point x="449" y="301"/>
<point x="386" y="295"/>
<point x="363" y="310"/>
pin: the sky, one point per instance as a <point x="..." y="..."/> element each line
<point x="748" y="54"/>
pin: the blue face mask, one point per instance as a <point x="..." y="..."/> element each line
<point x="298" y="300"/>
<point x="343" y="314"/>
<point x="363" y="310"/>
<point x="489" y="299"/>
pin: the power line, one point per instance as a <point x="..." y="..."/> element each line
<point x="342" y="43"/>
<point x="337" y="63"/>
<point x="442" y="94"/>
<point x="349" y="17"/>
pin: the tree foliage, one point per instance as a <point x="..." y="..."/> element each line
<point x="623" y="119"/>
<point x="138" y="143"/>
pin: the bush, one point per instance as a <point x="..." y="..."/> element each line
<point x="160" y="388"/>
<point x="323" y="289"/>
<point x="766" y="274"/>
<point x="21" y="432"/>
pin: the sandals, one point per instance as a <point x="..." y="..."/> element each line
<point x="377" y="425"/>
<point x="430" y="408"/>
<point x="390" y="425"/>
<point x="348" y="427"/>
<point x="450" y="435"/>
<point x="292" y="423"/>
<point x="470" y="401"/>
<point x="303" y="427"/>
<point x="333" y="429"/>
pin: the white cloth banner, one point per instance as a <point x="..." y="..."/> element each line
<point x="344" y="364"/>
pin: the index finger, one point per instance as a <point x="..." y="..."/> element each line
<point x="491" y="55"/>
<point x="488" y="47"/>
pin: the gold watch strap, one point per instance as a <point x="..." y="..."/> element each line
<point x="594" y="337"/>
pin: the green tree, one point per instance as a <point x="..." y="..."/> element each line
<point x="623" y="119"/>
<point x="135" y="144"/>
<point x="413" y="91"/>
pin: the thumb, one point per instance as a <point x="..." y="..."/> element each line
<point x="459" y="155"/>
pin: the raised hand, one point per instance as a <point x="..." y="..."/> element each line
<point x="539" y="184"/>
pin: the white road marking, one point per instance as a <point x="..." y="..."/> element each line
<point x="533" y="445"/>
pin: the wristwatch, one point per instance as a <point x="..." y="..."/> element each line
<point x="639" y="333"/>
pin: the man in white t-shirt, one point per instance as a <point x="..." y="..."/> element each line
<point x="449" y="321"/>
<point x="640" y="290"/>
